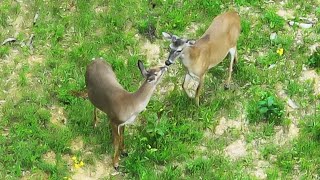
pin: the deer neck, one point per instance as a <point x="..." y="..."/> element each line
<point x="142" y="96"/>
<point x="189" y="55"/>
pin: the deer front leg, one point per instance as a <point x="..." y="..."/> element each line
<point x="116" y="144"/>
<point x="122" y="146"/>
<point x="198" y="92"/>
<point x="190" y="85"/>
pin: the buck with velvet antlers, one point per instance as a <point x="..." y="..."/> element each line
<point x="121" y="107"/>
<point x="199" y="56"/>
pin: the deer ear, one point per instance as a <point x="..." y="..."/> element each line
<point x="167" y="36"/>
<point x="142" y="69"/>
<point x="191" y="42"/>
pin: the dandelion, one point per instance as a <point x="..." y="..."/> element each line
<point x="280" y="51"/>
<point x="74" y="158"/>
<point x="81" y="163"/>
<point x="77" y="163"/>
<point x="77" y="166"/>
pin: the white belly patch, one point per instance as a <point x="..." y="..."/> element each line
<point x="129" y="121"/>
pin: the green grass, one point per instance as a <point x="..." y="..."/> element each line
<point x="167" y="138"/>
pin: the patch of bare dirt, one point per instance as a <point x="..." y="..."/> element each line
<point x="282" y="136"/>
<point x="259" y="164"/>
<point x="299" y="38"/>
<point x="259" y="170"/>
<point x="236" y="149"/>
<point x="77" y="144"/>
<point x="20" y="22"/>
<point x="57" y="116"/>
<point x="152" y="51"/>
<point x="291" y="106"/>
<point x="313" y="48"/>
<point x="313" y="76"/>
<point x="286" y="13"/>
<point x="191" y="30"/>
<point x="10" y="85"/>
<point x="102" y="169"/>
<point x="165" y="88"/>
<point x="68" y="160"/>
<point x="50" y="157"/>
<point x="101" y="9"/>
<point x="36" y="174"/>
<point x="225" y="124"/>
<point x="35" y="59"/>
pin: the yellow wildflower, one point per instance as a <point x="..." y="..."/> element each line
<point x="280" y="51"/>
<point x="81" y="163"/>
<point x="74" y="158"/>
<point x="77" y="166"/>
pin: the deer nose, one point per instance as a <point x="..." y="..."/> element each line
<point x="168" y="63"/>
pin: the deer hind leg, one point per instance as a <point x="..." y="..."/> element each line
<point x="122" y="146"/>
<point x="198" y="92"/>
<point x="116" y="145"/>
<point x="233" y="59"/>
<point x="95" y="118"/>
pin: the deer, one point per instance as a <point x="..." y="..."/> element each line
<point x="219" y="40"/>
<point x="122" y="107"/>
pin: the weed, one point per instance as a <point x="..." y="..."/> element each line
<point x="4" y="50"/>
<point x="147" y="27"/>
<point x="172" y="172"/>
<point x="314" y="60"/>
<point x="275" y="21"/>
<point x="312" y="128"/>
<point x="268" y="150"/>
<point x="198" y="166"/>
<point x="265" y="108"/>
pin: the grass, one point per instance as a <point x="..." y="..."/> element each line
<point x="173" y="139"/>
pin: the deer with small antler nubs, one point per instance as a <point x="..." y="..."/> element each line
<point x="199" y="56"/>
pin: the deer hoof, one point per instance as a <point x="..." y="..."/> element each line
<point x="116" y="167"/>
<point x="226" y="86"/>
<point x="124" y="154"/>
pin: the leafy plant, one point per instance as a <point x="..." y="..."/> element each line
<point x="312" y="128"/>
<point x="3" y="51"/>
<point x="147" y="28"/>
<point x="275" y="21"/>
<point x="266" y="108"/>
<point x="314" y="60"/>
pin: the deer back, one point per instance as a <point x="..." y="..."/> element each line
<point x="215" y="43"/>
<point x="104" y="91"/>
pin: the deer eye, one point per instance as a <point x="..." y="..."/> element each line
<point x="151" y="78"/>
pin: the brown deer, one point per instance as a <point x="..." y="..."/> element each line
<point x="121" y="107"/>
<point x="199" y="56"/>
